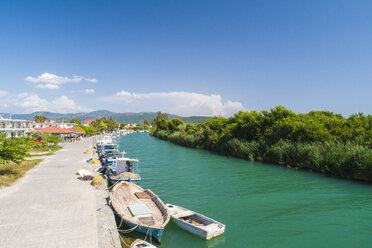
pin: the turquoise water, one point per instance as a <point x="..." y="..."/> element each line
<point x="261" y="205"/>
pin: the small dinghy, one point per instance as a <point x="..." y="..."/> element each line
<point x="195" y="223"/>
<point x="138" y="243"/>
<point x="140" y="209"/>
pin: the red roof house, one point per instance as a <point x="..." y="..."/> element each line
<point x="77" y="131"/>
<point x="88" y="121"/>
<point x="52" y="130"/>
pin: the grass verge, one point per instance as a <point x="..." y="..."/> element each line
<point x="52" y="148"/>
<point x="11" y="172"/>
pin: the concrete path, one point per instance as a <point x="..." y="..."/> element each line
<point x="49" y="206"/>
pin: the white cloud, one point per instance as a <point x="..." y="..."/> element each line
<point x="47" y="86"/>
<point x="88" y="91"/>
<point x="3" y="93"/>
<point x="92" y="80"/>
<point x="123" y="93"/>
<point x="31" y="102"/>
<point x="53" y="82"/>
<point x="178" y="102"/>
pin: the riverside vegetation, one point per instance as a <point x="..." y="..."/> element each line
<point x="319" y="141"/>
<point x="14" y="150"/>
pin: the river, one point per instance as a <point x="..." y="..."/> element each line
<point x="262" y="205"/>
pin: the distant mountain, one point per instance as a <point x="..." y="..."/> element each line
<point x="128" y="117"/>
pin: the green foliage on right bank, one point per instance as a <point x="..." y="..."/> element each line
<point x="320" y="141"/>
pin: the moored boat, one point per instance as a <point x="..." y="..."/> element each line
<point x="140" y="209"/>
<point x="124" y="176"/>
<point x="123" y="169"/>
<point x="138" y="243"/>
<point x="195" y="223"/>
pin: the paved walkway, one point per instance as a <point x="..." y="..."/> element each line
<point x="49" y="206"/>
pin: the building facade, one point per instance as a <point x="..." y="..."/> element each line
<point x="37" y="125"/>
<point x="13" y="127"/>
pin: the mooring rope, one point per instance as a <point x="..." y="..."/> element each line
<point x="129" y="230"/>
<point x="121" y="238"/>
<point x="110" y="187"/>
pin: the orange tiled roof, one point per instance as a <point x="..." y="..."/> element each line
<point x="88" y="121"/>
<point x="52" y="130"/>
<point x="75" y="130"/>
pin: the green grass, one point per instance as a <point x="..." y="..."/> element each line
<point x="53" y="148"/>
<point x="11" y="172"/>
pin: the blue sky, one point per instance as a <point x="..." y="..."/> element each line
<point x="193" y="57"/>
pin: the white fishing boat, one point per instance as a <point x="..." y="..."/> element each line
<point x="195" y="223"/>
<point x="123" y="169"/>
<point x="138" y="243"/>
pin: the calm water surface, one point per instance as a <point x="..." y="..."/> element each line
<point x="261" y="205"/>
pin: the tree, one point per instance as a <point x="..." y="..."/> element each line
<point x="50" y="138"/>
<point x="174" y="123"/>
<point x="40" y="118"/>
<point x="161" y="117"/>
<point x="111" y="124"/>
<point x="89" y="130"/>
<point x="101" y="126"/>
<point x="146" y="122"/>
<point x="80" y="128"/>
<point x="75" y="120"/>
<point x="37" y="135"/>
<point x="12" y="149"/>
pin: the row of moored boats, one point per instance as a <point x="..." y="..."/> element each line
<point x="141" y="209"/>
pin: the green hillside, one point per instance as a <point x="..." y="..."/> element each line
<point x="128" y="117"/>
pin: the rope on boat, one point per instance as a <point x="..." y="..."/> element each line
<point x="129" y="230"/>
<point x="147" y="233"/>
<point x="148" y="229"/>
<point x="113" y="185"/>
<point x="121" y="223"/>
<point x="150" y="237"/>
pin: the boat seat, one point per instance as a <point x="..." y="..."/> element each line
<point x="147" y="220"/>
<point x="142" y="195"/>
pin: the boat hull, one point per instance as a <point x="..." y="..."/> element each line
<point x="199" y="232"/>
<point x="114" y="181"/>
<point x="154" y="232"/>
<point x="193" y="230"/>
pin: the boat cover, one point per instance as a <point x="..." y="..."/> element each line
<point x="139" y="209"/>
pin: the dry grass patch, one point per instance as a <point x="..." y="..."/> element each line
<point x="10" y="172"/>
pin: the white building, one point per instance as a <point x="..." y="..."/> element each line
<point x="37" y="125"/>
<point x="14" y="127"/>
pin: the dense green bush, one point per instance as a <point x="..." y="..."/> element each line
<point x="319" y="140"/>
<point x="12" y="149"/>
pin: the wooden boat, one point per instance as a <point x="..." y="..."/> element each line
<point x="195" y="223"/>
<point x="138" y="243"/>
<point x="140" y="209"/>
